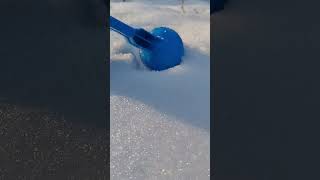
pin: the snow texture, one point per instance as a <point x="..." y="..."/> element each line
<point x="160" y="120"/>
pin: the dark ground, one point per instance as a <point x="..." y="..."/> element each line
<point x="43" y="145"/>
<point x="53" y="83"/>
<point x="266" y="84"/>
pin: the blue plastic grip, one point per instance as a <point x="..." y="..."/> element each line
<point x="121" y="28"/>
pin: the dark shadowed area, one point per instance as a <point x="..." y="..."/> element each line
<point x="53" y="55"/>
<point x="266" y="57"/>
<point x="53" y="89"/>
<point x="43" y="145"/>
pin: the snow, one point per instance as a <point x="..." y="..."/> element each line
<point x="160" y="120"/>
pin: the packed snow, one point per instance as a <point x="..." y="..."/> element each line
<point x="160" y="121"/>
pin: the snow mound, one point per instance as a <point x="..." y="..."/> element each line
<point x="149" y="145"/>
<point x="160" y="120"/>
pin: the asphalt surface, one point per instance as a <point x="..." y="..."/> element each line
<point x="53" y="55"/>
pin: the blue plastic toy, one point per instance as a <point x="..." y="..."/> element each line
<point x="159" y="50"/>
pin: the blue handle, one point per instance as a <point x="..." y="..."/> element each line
<point x="121" y="28"/>
<point x="137" y="37"/>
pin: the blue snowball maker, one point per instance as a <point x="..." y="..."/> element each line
<point x="159" y="50"/>
<point x="164" y="53"/>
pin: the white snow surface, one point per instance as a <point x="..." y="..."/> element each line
<point x="160" y="121"/>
